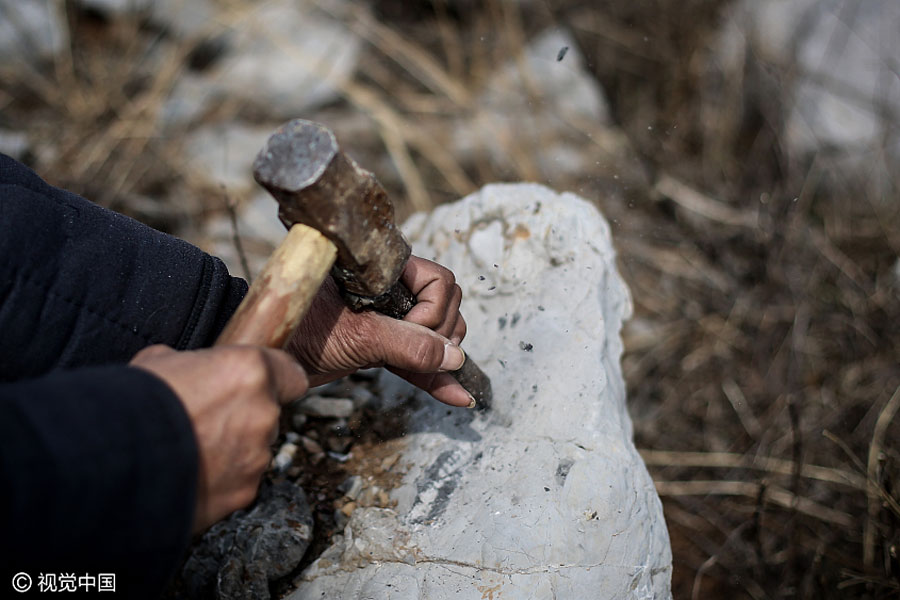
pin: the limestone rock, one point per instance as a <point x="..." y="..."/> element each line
<point x="545" y="495"/>
<point x="834" y="79"/>
<point x="281" y="58"/>
<point x="14" y="143"/>
<point x="546" y="102"/>
<point x="223" y="154"/>
<point x="30" y="30"/>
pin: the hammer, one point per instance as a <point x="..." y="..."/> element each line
<point x="339" y="218"/>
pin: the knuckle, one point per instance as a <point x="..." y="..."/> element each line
<point x="446" y="276"/>
<point x="427" y="354"/>
<point x="251" y="368"/>
<point x="457" y="293"/>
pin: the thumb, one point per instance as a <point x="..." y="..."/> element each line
<point x="415" y="348"/>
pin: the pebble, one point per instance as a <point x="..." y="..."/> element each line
<point x="298" y="420"/>
<point x="389" y="461"/>
<point x="319" y="406"/>
<point x="371" y="496"/>
<point x="339" y="444"/>
<point x="340" y="519"/>
<point x="361" y="396"/>
<point x="351" y="487"/>
<point x="311" y="446"/>
<point x="285" y="456"/>
<point x="341" y="458"/>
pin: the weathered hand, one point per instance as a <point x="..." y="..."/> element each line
<point x="333" y="341"/>
<point x="232" y="395"/>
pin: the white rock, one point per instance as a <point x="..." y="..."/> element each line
<point x="285" y="456"/>
<point x="14" y="143"/>
<point x="319" y="406"/>
<point x="545" y="495"/>
<point x="30" y="30"/>
<point x="540" y="103"/>
<point x="840" y="94"/>
<point x="281" y="58"/>
<point x="224" y="154"/>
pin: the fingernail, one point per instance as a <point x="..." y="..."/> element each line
<point x="453" y="358"/>
<point x="472" y="403"/>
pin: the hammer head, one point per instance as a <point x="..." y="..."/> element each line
<point x="315" y="184"/>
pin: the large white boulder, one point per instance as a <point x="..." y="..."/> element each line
<point x="543" y="496"/>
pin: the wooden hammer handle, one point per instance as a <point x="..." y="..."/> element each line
<point x="283" y="292"/>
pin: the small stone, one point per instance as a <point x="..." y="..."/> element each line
<point x="369" y="496"/>
<point x="341" y="458"/>
<point x="319" y="406"/>
<point x="298" y="420"/>
<point x="339" y="444"/>
<point x="351" y="487"/>
<point x="526" y="346"/>
<point x="348" y="509"/>
<point x="361" y="396"/>
<point x="317" y="458"/>
<point x="311" y="446"/>
<point x="340" y="428"/>
<point x="340" y="519"/>
<point x="292" y="437"/>
<point x="389" y="461"/>
<point x="383" y="499"/>
<point x="294" y="472"/>
<point x="285" y="456"/>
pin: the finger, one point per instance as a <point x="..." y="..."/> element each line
<point x="459" y="331"/>
<point x="451" y="316"/>
<point x="433" y="286"/>
<point x="288" y="378"/>
<point x="412" y="347"/>
<point x="442" y="387"/>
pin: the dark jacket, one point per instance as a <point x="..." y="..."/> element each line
<point x="98" y="461"/>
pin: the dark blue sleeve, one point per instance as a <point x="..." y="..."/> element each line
<point x="98" y="461"/>
<point x="98" y="470"/>
<point x="81" y="285"/>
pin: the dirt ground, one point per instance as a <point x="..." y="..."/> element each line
<point x="762" y="359"/>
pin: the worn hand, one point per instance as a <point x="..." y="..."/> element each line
<point x="333" y="341"/>
<point x="233" y="396"/>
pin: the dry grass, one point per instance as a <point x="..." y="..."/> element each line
<point x="762" y="362"/>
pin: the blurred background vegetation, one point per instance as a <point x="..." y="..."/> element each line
<point x="744" y="151"/>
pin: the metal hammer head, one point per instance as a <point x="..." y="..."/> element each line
<point x="315" y="184"/>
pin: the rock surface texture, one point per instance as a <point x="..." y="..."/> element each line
<point x="545" y="495"/>
<point x="238" y="557"/>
